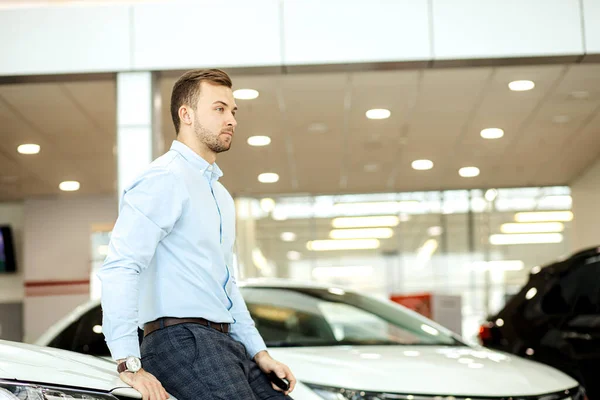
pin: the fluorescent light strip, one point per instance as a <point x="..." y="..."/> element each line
<point x="364" y="233"/>
<point x="376" y="207"/>
<point x="354" y="244"/>
<point x="544" y="216"/>
<point x="525" y="238"/>
<point x="539" y="227"/>
<point x="365" y="222"/>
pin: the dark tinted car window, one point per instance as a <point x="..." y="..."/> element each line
<point x="84" y="335"/>
<point x="578" y="292"/>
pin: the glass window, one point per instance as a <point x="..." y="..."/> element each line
<point x="320" y="317"/>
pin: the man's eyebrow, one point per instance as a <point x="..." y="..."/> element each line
<point x="225" y="104"/>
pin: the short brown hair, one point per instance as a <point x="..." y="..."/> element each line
<point x="187" y="89"/>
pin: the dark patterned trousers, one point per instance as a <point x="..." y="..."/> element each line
<point x="197" y="362"/>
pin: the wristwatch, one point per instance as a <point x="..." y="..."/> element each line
<point x="131" y="364"/>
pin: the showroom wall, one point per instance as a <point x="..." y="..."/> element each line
<point x="11" y="285"/>
<point x="586" y="197"/>
<point x="57" y="255"/>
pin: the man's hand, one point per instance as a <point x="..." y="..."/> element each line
<point x="267" y="365"/>
<point x="145" y="383"/>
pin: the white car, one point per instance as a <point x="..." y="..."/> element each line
<point x="340" y="345"/>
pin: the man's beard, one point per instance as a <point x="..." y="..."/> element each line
<point x="211" y="140"/>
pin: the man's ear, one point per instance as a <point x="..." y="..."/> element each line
<point x="185" y="115"/>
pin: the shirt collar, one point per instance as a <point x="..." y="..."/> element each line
<point x="211" y="170"/>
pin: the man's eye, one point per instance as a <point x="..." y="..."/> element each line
<point x="220" y="109"/>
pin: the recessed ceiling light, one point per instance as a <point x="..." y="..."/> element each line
<point x="521" y="86"/>
<point x="378" y="113"/>
<point x="362" y="233"/>
<point x="29" y="148"/>
<point x="293" y="255"/>
<point x="245" y="94"/>
<point x="422" y="165"/>
<point x="525" y="238"/>
<point x="561" y="119"/>
<point x="492" y="133"/>
<point x="365" y="222"/>
<point x="350" y="244"/>
<point x="259" y="140"/>
<point x="268" y="177"/>
<point x="288" y="236"/>
<point x="468" y="172"/>
<point x="69" y="186"/>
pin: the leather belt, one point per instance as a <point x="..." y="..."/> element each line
<point x="168" y="321"/>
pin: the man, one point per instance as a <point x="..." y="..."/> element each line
<point x="169" y="264"/>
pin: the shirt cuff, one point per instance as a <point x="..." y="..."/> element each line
<point x="124" y="347"/>
<point x="254" y="345"/>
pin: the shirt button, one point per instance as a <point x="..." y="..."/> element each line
<point x="210" y="168"/>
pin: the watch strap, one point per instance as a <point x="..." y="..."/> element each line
<point x="122" y="367"/>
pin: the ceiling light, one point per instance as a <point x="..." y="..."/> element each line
<point x="69" y="186"/>
<point x="536" y="270"/>
<point x="525" y="238"/>
<point x="422" y="165"/>
<point x="374" y="207"/>
<point x="534" y="227"/>
<point x="288" y="236"/>
<point x="378" y="113"/>
<point x="339" y="292"/>
<point x="268" y="177"/>
<point x="434" y="231"/>
<point x="521" y="86"/>
<point x="468" y="172"/>
<point x="293" y="255"/>
<point x="543" y="216"/>
<point x="97" y="329"/>
<point x="363" y="233"/>
<point x="354" y="244"/>
<point x="245" y="94"/>
<point x="492" y="133"/>
<point x="267" y="204"/>
<point x="404" y="217"/>
<point x="259" y="140"/>
<point x="365" y="222"/>
<point x="29" y="148"/>
<point x="501" y="265"/>
<point x="342" y="272"/>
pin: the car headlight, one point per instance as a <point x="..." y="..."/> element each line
<point x="21" y="391"/>
<point x="335" y="393"/>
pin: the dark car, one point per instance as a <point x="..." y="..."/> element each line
<point x="555" y="319"/>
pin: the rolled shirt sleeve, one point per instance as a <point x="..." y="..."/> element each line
<point x="149" y="210"/>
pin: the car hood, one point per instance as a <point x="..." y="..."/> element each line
<point x="453" y="371"/>
<point x="45" y="365"/>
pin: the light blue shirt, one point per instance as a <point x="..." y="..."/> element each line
<point x="171" y="254"/>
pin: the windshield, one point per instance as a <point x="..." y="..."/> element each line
<point x="291" y="317"/>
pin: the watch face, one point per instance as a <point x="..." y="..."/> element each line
<point x="133" y="364"/>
